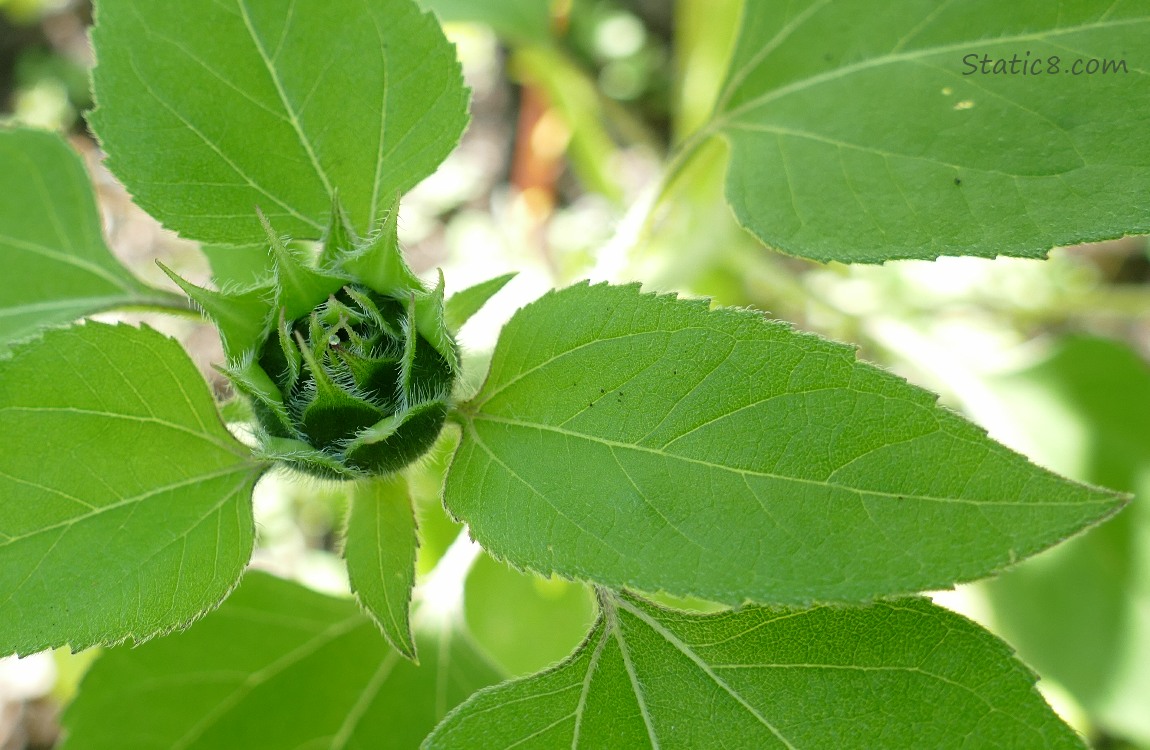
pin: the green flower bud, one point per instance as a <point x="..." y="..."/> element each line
<point x="347" y="361"/>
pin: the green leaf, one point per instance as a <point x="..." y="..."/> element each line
<point x="525" y="622"/>
<point x="277" y="666"/>
<point x="466" y="302"/>
<point x="860" y="137"/>
<point x="56" y="265"/>
<point x="758" y="678"/>
<point x="125" y="505"/>
<point x="208" y="110"/>
<point x="1080" y="613"/>
<point x="646" y="441"/>
<point x="520" y="21"/>
<point x="380" y="551"/>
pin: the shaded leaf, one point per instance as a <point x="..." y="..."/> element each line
<point x="380" y="551"/>
<point x="520" y="21"/>
<point x="56" y="265"/>
<point x="1080" y="613"/>
<point x="645" y="441"/>
<point x="903" y="674"/>
<point x="277" y="666"/>
<point x="862" y="137"/>
<point x="125" y="505"/>
<point x="208" y="110"/>
<point x="525" y="622"/>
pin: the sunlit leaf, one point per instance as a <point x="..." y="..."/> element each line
<point x="380" y="551"/>
<point x="125" y="505"/>
<point x="864" y="136"/>
<point x="646" y="441"/>
<point x="56" y="265"/>
<point x="208" y="110"/>
<point x="902" y="674"/>
<point x="277" y="666"/>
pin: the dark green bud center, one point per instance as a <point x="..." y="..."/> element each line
<point x="359" y="382"/>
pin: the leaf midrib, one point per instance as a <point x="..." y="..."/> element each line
<point x="768" y="475"/>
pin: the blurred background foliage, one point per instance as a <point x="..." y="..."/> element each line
<point x="577" y="108"/>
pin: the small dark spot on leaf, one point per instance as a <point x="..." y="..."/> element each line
<point x="957" y="181"/>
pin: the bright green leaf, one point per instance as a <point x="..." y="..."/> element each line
<point x="903" y="674"/>
<point x="861" y="136"/>
<point x="525" y="622"/>
<point x="277" y="666"/>
<point x="208" y="110"/>
<point x="466" y="302"/>
<point x="1080" y="613"/>
<point x="646" y="441"/>
<point x="380" y="551"/>
<point x="520" y="21"/>
<point x="125" y="505"/>
<point x="56" y="265"/>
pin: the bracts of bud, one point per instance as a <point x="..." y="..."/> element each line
<point x="345" y="358"/>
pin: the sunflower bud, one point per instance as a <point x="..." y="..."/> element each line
<point x="347" y="360"/>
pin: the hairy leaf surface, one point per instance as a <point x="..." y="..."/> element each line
<point x="125" y="505"/>
<point x="863" y="136"/>
<point x="277" y="666"/>
<point x="56" y="265"/>
<point x="896" y="674"/>
<point x="208" y="110"/>
<point x="380" y="551"/>
<point x="646" y="441"/>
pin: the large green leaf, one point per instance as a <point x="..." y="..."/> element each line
<point x="56" y="265"/>
<point x="125" y="505"/>
<point x="277" y="666"/>
<point x="1080" y="613"/>
<point x="860" y="136"/>
<point x="646" y="441"/>
<point x="208" y="110"/>
<point x="380" y="551"/>
<point x="902" y="674"/>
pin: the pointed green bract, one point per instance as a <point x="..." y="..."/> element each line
<point x="340" y="239"/>
<point x="299" y="286"/>
<point x="863" y="137"/>
<point x="378" y="260"/>
<point x="125" y="505"/>
<point x="207" y="110"/>
<point x="463" y="304"/>
<point x="380" y="551"/>
<point x="901" y="674"/>
<point x="277" y="666"/>
<point x="240" y="316"/>
<point x="56" y="265"/>
<point x="431" y="323"/>
<point x="734" y="458"/>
